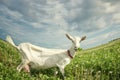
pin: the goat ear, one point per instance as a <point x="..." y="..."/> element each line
<point x="69" y="37"/>
<point x="83" y="38"/>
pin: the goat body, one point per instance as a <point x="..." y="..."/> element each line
<point x="42" y="58"/>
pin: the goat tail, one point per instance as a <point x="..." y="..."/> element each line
<point x="10" y="40"/>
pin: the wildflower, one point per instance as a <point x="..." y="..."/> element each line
<point x="76" y="65"/>
<point x="99" y="72"/>
<point x="110" y="72"/>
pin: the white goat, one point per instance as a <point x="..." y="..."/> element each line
<point x="42" y="58"/>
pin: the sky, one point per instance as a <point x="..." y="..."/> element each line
<point x="45" y="22"/>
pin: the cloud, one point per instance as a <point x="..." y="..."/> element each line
<point x="116" y="18"/>
<point x="54" y="18"/>
<point x="101" y="37"/>
<point x="91" y="15"/>
<point x="63" y="13"/>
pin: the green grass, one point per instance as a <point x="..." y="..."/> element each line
<point x="99" y="63"/>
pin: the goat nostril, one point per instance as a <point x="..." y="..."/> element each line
<point x="75" y="48"/>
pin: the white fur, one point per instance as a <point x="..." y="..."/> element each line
<point x="42" y="58"/>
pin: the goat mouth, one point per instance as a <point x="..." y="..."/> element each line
<point x="75" y="49"/>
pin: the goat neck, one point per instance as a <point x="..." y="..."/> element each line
<point x="72" y="51"/>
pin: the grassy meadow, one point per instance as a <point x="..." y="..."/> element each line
<point x="99" y="63"/>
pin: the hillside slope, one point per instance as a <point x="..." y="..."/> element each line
<point x="107" y="45"/>
<point x="100" y="63"/>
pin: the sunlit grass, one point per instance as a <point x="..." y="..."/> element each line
<point x="100" y="63"/>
